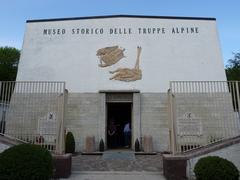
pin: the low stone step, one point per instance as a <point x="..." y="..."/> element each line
<point x="117" y="175"/>
<point x="120" y="155"/>
<point x="117" y="162"/>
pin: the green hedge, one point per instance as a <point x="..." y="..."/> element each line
<point x="70" y="143"/>
<point x="215" y="168"/>
<point x="101" y="145"/>
<point x="26" y="162"/>
<point x="137" y="146"/>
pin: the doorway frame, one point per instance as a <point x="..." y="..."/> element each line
<point x="136" y="115"/>
<point x="107" y="119"/>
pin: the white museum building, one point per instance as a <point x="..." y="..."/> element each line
<point x="90" y="75"/>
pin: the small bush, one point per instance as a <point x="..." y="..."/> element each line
<point x="101" y="145"/>
<point x="26" y="161"/>
<point x="70" y="143"/>
<point x="215" y="168"/>
<point x="137" y="146"/>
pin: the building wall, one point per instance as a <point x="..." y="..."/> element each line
<point x="172" y="54"/>
<point x="27" y="116"/>
<point x="154" y="118"/>
<point x="215" y="113"/>
<point x="85" y="116"/>
<point x="177" y="50"/>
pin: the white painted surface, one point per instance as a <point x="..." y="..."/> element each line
<point x="165" y="56"/>
<point x="3" y="147"/>
<point x="231" y="153"/>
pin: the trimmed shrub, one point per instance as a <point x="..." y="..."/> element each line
<point x="137" y="146"/>
<point x="70" y="143"/>
<point x="215" y="168"/>
<point x="26" y="161"/>
<point x="101" y="145"/>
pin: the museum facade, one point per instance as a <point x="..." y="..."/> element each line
<point x="120" y="69"/>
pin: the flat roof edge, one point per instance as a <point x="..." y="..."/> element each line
<point x="120" y="91"/>
<point x="122" y="16"/>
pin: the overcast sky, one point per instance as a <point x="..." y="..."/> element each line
<point x="14" y="13"/>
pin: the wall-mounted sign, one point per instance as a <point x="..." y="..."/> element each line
<point x="189" y="125"/>
<point x="55" y="31"/>
<point x="47" y="127"/>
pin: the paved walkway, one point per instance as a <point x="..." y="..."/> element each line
<point x="152" y="163"/>
<point x="115" y="175"/>
<point x="117" y="165"/>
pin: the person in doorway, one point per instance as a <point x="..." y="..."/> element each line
<point x="112" y="134"/>
<point x="127" y="134"/>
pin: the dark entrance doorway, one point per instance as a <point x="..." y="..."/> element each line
<point x="118" y="116"/>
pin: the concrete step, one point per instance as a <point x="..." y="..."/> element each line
<point x="116" y="175"/>
<point x="117" y="162"/>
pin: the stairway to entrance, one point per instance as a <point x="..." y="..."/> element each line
<point x="118" y="155"/>
<point x="117" y="160"/>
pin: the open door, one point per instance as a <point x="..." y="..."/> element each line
<point x="119" y="123"/>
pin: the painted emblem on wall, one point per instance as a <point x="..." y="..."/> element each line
<point x="111" y="55"/>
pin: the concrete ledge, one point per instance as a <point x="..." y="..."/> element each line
<point x="10" y="141"/>
<point x="145" y="153"/>
<point x="174" y="157"/>
<point x="120" y="91"/>
<point x="174" y="169"/>
<point x="212" y="147"/>
<point x="101" y="153"/>
<point x="117" y="172"/>
<point x="92" y="153"/>
<point x="204" y="150"/>
<point x="209" y="148"/>
<point x="62" y="165"/>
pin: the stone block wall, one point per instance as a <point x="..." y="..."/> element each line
<point x="216" y="113"/>
<point x="154" y="119"/>
<point x="26" y="110"/>
<point x="85" y="116"/>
